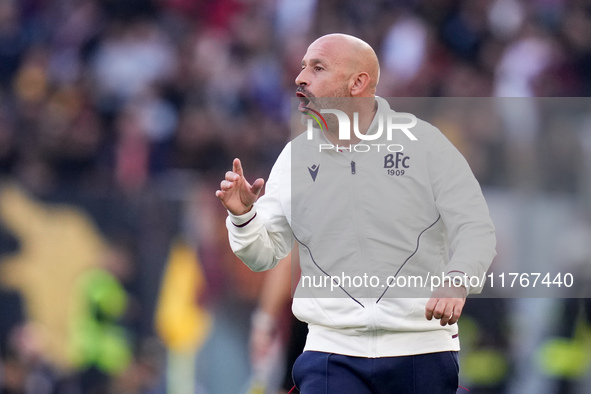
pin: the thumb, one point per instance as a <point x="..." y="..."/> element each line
<point x="257" y="186"/>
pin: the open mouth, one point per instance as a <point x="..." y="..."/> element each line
<point x="304" y="101"/>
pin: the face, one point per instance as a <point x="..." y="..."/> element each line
<point x="323" y="76"/>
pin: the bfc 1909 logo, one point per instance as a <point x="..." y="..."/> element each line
<point x="393" y="121"/>
<point x="395" y="164"/>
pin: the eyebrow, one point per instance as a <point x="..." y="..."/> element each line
<point x="314" y="61"/>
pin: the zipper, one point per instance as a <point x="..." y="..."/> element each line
<point x="371" y="307"/>
<point x="372" y="326"/>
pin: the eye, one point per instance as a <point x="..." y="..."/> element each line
<point x="318" y="68"/>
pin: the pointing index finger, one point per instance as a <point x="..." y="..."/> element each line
<point x="237" y="167"/>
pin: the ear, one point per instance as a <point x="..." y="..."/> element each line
<point x="359" y="84"/>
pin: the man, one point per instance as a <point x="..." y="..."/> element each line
<point x="356" y="213"/>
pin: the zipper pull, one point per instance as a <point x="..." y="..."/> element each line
<point x="353" y="167"/>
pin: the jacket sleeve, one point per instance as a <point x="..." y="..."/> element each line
<point x="459" y="199"/>
<point x="262" y="237"/>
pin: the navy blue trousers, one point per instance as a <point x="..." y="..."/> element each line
<point x="327" y="373"/>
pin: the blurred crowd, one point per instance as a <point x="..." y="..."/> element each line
<point x="119" y="118"/>
<point x="117" y="91"/>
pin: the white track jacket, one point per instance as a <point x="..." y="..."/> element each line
<point x="377" y="215"/>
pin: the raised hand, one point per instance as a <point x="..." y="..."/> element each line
<point x="236" y="194"/>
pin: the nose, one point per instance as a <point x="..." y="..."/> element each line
<point x="302" y="78"/>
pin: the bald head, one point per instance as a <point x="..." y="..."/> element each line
<point x="353" y="55"/>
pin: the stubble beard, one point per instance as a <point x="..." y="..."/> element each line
<point x="337" y="101"/>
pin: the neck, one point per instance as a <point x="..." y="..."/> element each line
<point x="366" y="109"/>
